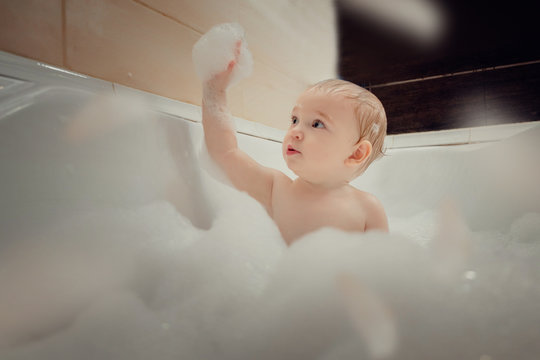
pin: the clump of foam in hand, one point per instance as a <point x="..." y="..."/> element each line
<point x="215" y="49"/>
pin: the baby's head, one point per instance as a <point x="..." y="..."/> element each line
<point x="368" y="111"/>
<point x="338" y="129"/>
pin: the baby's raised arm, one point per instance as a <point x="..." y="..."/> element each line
<point x="220" y="137"/>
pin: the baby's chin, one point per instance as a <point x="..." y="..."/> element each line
<point x="306" y="175"/>
<point x="318" y="177"/>
<point x="293" y="168"/>
<point x="311" y="173"/>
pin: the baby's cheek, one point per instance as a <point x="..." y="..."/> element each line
<point x="318" y="148"/>
<point x="327" y="152"/>
<point x="320" y="154"/>
<point x="325" y="162"/>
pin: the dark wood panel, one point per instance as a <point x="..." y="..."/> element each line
<point x="483" y="98"/>
<point x="513" y="95"/>
<point x="480" y="34"/>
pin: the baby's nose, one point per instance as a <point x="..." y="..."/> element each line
<point x="297" y="134"/>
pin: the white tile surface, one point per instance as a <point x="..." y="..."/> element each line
<point x="161" y="104"/>
<point x="48" y="75"/>
<point x="193" y="113"/>
<point x="445" y="137"/>
<point x="498" y="132"/>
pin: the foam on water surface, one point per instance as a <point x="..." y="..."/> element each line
<point x="137" y="282"/>
<point x="145" y="283"/>
<point x="215" y="49"/>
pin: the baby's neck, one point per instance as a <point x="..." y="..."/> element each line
<point x="320" y="188"/>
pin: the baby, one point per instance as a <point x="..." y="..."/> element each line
<point x="337" y="129"/>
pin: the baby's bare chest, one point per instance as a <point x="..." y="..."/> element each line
<point x="297" y="215"/>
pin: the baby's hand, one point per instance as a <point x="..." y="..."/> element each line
<point x="221" y="56"/>
<point x="221" y="81"/>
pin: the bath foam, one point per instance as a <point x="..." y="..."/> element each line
<point x="489" y="304"/>
<point x="215" y="49"/>
<point x="236" y="292"/>
<point x="146" y="283"/>
<point x="143" y="282"/>
<point x="82" y="259"/>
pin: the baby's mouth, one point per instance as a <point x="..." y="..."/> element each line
<point x="292" y="151"/>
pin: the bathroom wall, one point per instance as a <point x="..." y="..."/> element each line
<point x="146" y="44"/>
<point x="480" y="68"/>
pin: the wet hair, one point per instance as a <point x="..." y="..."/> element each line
<point x="369" y="112"/>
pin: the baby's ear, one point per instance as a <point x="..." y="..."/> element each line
<point x="362" y="150"/>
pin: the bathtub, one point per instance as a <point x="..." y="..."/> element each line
<point x="107" y="168"/>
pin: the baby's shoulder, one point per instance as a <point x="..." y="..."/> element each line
<point x="281" y="177"/>
<point x="364" y="198"/>
<point x="373" y="208"/>
<point x="281" y="181"/>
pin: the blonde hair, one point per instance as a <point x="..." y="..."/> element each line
<point x="369" y="112"/>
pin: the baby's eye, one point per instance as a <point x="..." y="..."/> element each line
<point x="318" y="124"/>
<point x="294" y="120"/>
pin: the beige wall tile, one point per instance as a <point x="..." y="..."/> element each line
<point x="200" y="15"/>
<point x="32" y="28"/>
<point x="293" y="44"/>
<point x="269" y="96"/>
<point x="297" y="38"/>
<point x="146" y="44"/>
<point x="125" y="42"/>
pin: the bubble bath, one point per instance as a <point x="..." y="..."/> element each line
<point x="119" y="241"/>
<point x="215" y="49"/>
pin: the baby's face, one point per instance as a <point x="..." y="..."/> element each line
<point x="321" y="137"/>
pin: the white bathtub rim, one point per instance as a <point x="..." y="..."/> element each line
<point x="37" y="72"/>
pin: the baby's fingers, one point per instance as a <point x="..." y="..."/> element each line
<point x="237" y="49"/>
<point x="231" y="65"/>
<point x="221" y="79"/>
<point x="233" y="62"/>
